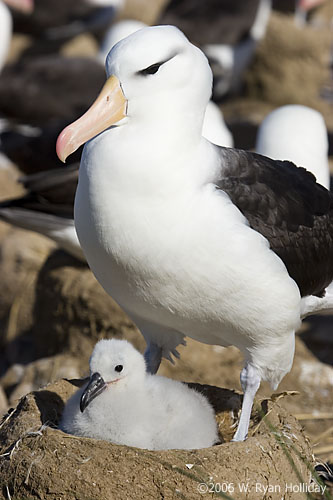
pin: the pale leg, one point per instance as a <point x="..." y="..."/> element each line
<point x="250" y="382"/>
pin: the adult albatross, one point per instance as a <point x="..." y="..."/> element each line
<point x="189" y="238"/>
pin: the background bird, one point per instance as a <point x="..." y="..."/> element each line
<point x="296" y="133"/>
<point x="47" y="208"/>
<point x="6" y="23"/>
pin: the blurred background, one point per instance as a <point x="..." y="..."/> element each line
<point x="266" y="56"/>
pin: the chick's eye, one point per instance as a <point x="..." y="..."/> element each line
<point x="119" y="368"/>
<point x="151" y="70"/>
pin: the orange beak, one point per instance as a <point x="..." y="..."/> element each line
<point x="108" y="109"/>
<point x="26" y="6"/>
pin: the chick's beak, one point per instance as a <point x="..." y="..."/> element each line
<point x="94" y="388"/>
<point x="108" y="109"/>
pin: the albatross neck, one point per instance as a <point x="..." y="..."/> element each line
<point x="171" y="127"/>
<point x="141" y="157"/>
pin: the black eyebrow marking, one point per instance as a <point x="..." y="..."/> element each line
<point x="153" y="68"/>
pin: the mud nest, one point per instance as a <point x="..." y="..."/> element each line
<point x="38" y="461"/>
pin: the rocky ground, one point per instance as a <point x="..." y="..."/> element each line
<point x="52" y="311"/>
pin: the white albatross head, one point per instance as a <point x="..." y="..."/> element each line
<point x="113" y="363"/>
<point x="296" y="133"/>
<point x="154" y="75"/>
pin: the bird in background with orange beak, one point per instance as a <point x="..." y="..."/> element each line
<point x="26" y="6"/>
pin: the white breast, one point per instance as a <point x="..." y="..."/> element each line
<point x="180" y="257"/>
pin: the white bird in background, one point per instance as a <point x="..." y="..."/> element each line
<point x="6" y="24"/>
<point x="117" y="31"/>
<point x="299" y="134"/>
<point x="6" y="32"/>
<point x="222" y="245"/>
<point x="125" y="405"/>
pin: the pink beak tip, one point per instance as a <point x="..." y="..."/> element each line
<point x="25" y="6"/>
<point x="61" y="145"/>
<point x="28" y="6"/>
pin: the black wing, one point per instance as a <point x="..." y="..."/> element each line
<point x="286" y="205"/>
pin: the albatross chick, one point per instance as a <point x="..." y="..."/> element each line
<point x="125" y="405"/>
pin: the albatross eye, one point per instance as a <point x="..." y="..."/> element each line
<point x="151" y="70"/>
<point x="119" y="368"/>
